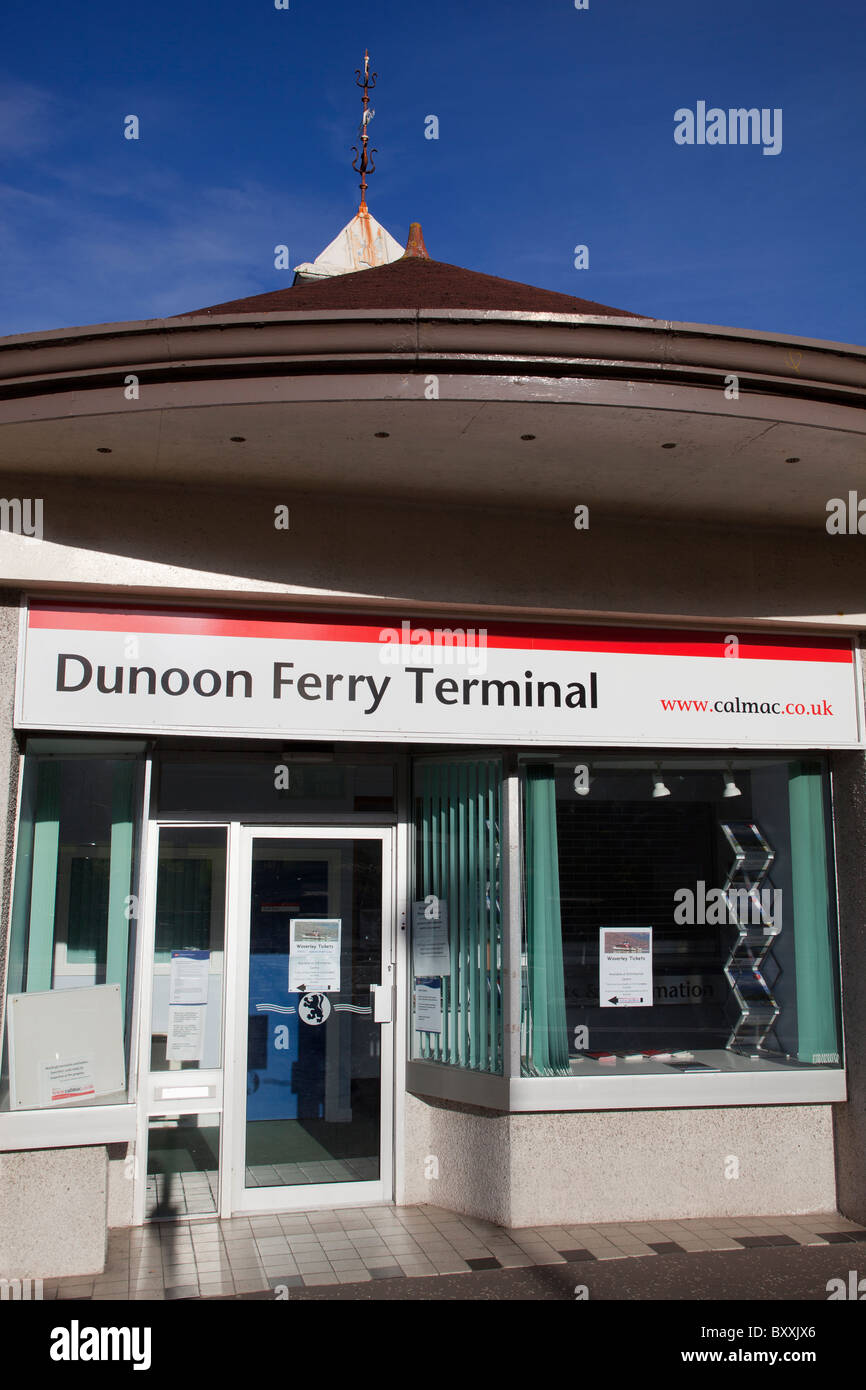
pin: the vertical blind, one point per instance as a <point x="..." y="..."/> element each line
<point x="458" y="864"/>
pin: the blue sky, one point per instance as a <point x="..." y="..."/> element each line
<point x="556" y="129"/>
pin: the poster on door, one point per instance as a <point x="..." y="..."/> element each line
<point x="185" y="1039"/>
<point x="625" y="967"/>
<point x="188" y="978"/>
<point x="314" y="954"/>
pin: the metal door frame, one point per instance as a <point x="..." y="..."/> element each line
<point x="235" y="1198"/>
<point x="152" y="1085"/>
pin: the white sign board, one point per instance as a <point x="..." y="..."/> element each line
<point x="65" y="1046"/>
<point x="230" y="673"/>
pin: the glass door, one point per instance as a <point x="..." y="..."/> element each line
<point x="313" y="1003"/>
<point x="181" y="1061"/>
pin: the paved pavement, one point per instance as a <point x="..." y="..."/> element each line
<point x="386" y="1245"/>
<point x="762" y="1275"/>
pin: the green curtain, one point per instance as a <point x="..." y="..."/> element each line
<point x="43" y="887"/>
<point x="546" y="1029"/>
<point x="813" y="939"/>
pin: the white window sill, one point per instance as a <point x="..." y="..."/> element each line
<point x="66" y="1127"/>
<point x="632" y="1086"/>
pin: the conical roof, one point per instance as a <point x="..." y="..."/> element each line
<point x="413" y="281"/>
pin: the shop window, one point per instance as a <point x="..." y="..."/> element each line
<point x="678" y="917"/>
<point x="190" y="934"/>
<point x="456" y="936"/>
<point x="74" y="908"/>
<point x="270" y="784"/>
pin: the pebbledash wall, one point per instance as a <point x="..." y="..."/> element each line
<point x="357" y="546"/>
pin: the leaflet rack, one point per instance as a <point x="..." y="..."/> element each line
<point x="756" y="932"/>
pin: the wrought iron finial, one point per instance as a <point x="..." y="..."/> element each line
<point x="363" y="161"/>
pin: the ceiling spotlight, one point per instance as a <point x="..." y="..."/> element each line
<point x="731" y="788"/>
<point x="237" y="438"/>
<point x="527" y="436"/>
<point x="382" y="434"/>
<point x="659" y="788"/>
<point x="103" y="451"/>
<point x="792" y="460"/>
<point x="669" y="446"/>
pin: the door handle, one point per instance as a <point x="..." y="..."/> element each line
<point x="383" y="1003"/>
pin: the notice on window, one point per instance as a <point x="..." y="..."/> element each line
<point x="188" y="980"/>
<point x="431" y="954"/>
<point x="185" y="1038"/>
<point x="314" y="954"/>
<point x="428" y="1005"/>
<point x="67" y="1080"/>
<point x="625" y="967"/>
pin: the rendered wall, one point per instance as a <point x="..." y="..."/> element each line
<point x="191" y="541"/>
<point x="52" y="1213"/>
<point x="638" y="1165"/>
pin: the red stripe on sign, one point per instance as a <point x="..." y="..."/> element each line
<point x="307" y="627"/>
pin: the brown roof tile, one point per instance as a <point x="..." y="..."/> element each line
<point x="414" y="283"/>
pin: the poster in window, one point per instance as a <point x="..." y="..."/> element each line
<point x="431" y="952"/>
<point x="314" y="954"/>
<point x="428" y="1005"/>
<point x="625" y="967"/>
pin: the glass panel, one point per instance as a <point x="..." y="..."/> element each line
<point x="313" y="1050"/>
<point x="688" y="904"/>
<point x="456" y="937"/>
<point x="186" y="1029"/>
<point x="73" y="911"/>
<point x="182" y="1163"/>
<point x="271" y="784"/>
<point x="313" y="1060"/>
